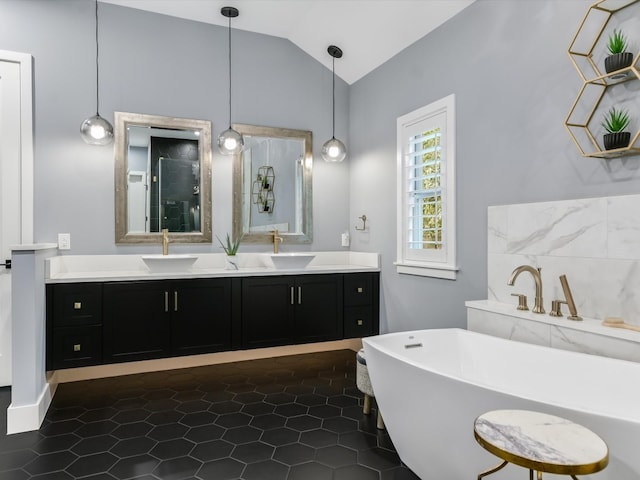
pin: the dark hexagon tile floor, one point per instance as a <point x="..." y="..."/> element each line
<point x="284" y="418"/>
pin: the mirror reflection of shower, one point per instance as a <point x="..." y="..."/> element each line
<point x="163" y="180"/>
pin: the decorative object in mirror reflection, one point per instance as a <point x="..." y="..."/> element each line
<point x="255" y="190"/>
<point x="262" y="190"/>
<point x="334" y="150"/>
<point x="97" y="130"/>
<point x="230" y="142"/>
<point x="163" y="178"/>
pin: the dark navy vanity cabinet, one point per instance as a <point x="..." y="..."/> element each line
<point x="98" y="323"/>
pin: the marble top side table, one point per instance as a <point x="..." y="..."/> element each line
<point x="540" y="442"/>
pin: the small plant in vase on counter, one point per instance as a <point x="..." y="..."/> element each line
<point x="230" y="248"/>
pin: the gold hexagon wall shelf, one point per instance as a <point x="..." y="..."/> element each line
<point x="587" y="51"/>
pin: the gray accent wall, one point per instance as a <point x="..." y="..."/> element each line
<point x="507" y="63"/>
<point x="156" y="64"/>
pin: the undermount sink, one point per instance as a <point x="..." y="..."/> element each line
<point x="169" y="263"/>
<point x="291" y="261"/>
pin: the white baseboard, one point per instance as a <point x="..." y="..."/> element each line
<point x="25" y="418"/>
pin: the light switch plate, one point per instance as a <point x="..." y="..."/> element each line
<point x="64" y="241"/>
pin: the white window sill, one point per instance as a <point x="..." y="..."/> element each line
<point x="427" y="270"/>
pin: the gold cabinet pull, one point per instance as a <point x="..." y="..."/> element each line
<point x="292" y="296"/>
<point x="166" y="301"/>
<point x="175" y="301"/>
<point x="77" y="347"/>
<point x="77" y="305"/>
<point x="360" y="322"/>
<point x="299" y="295"/>
<point x="360" y="289"/>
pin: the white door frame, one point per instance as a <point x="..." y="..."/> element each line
<point x="17" y="200"/>
<point x="26" y="142"/>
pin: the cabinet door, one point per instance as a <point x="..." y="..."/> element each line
<point x="136" y="321"/>
<point x="318" y="301"/>
<point x="200" y="316"/>
<point x="267" y="311"/>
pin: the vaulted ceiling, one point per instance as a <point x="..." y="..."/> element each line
<point x="369" y="32"/>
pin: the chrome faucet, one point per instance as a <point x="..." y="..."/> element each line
<point x="165" y="241"/>
<point x="276" y="241"/>
<point x="535" y="272"/>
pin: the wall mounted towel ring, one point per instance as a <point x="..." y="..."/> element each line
<point x="364" y="223"/>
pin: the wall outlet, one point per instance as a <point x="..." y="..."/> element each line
<point x="345" y="239"/>
<point x="64" y="241"/>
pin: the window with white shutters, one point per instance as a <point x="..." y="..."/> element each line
<point x="426" y="191"/>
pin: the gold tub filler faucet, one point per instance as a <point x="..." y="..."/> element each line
<point x="535" y="273"/>
<point x="568" y="300"/>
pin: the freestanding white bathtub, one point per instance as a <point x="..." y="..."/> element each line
<point x="430" y="386"/>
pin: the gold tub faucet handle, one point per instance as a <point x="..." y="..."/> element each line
<point x="522" y="301"/>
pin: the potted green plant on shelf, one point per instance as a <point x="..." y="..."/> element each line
<point x="230" y="248"/>
<point x="614" y="122"/>
<point x="618" y="57"/>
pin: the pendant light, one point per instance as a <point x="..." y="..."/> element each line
<point x="96" y="130"/>
<point x="334" y="150"/>
<point x="230" y="142"/>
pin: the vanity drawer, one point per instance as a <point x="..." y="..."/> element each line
<point x="76" y="347"/>
<point x="75" y="305"/>
<point x="358" y="289"/>
<point x="358" y="322"/>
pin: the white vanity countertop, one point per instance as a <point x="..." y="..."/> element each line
<point x="98" y="268"/>
<point x="590" y="325"/>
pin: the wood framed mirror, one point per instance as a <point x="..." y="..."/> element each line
<point x="272" y="185"/>
<point x="162" y="179"/>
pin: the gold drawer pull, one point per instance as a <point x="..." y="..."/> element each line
<point x="77" y="305"/>
<point x="360" y="322"/>
<point x="360" y="289"/>
<point x="77" y="347"/>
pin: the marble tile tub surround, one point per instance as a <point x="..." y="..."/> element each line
<point x="588" y="336"/>
<point x="71" y="268"/>
<point x="595" y="242"/>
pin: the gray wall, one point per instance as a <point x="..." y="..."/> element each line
<point x="160" y="65"/>
<point x="505" y="60"/>
<point x="507" y="63"/>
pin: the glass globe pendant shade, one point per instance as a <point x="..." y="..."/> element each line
<point x="96" y="131"/>
<point x="230" y="142"/>
<point x="334" y="150"/>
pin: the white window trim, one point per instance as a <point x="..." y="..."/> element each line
<point x="448" y="268"/>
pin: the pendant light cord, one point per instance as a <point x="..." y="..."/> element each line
<point x="229" y="72"/>
<point x="97" y="66"/>
<point x="333" y="131"/>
